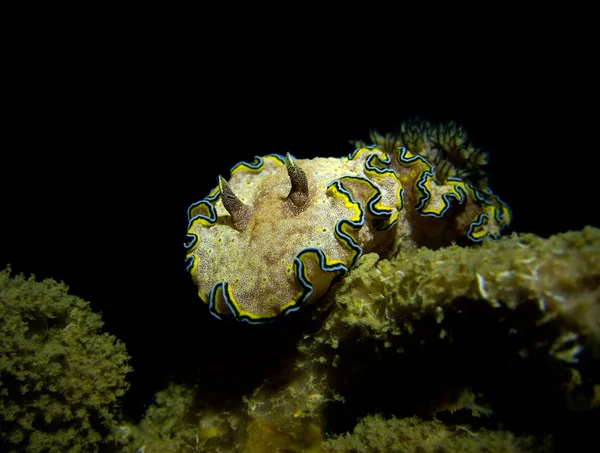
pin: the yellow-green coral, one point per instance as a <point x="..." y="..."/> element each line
<point x="375" y="434"/>
<point x="60" y="376"/>
<point x="404" y="311"/>
<point x="379" y="342"/>
<point x="559" y="274"/>
<point x="278" y="233"/>
<point x="175" y="423"/>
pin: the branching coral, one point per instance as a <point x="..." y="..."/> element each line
<point x="60" y="376"/>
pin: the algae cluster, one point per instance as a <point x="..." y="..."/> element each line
<point x="413" y="434"/>
<point x="489" y="348"/>
<point x="60" y="377"/>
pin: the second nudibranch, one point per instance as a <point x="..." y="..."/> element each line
<point x="277" y="234"/>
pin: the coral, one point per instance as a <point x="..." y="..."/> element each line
<point x="508" y="331"/>
<point x="489" y="348"/>
<point x="559" y="275"/>
<point x="179" y="422"/>
<point x="60" y="376"/>
<point x="175" y="423"/>
<point x="281" y="231"/>
<point x="287" y="414"/>
<point x="375" y="434"/>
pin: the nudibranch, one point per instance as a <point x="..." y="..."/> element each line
<point x="280" y="231"/>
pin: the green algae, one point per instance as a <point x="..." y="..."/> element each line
<point x="60" y="377"/>
<point x="488" y="348"/>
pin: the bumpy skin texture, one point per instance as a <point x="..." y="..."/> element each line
<point x="275" y="241"/>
